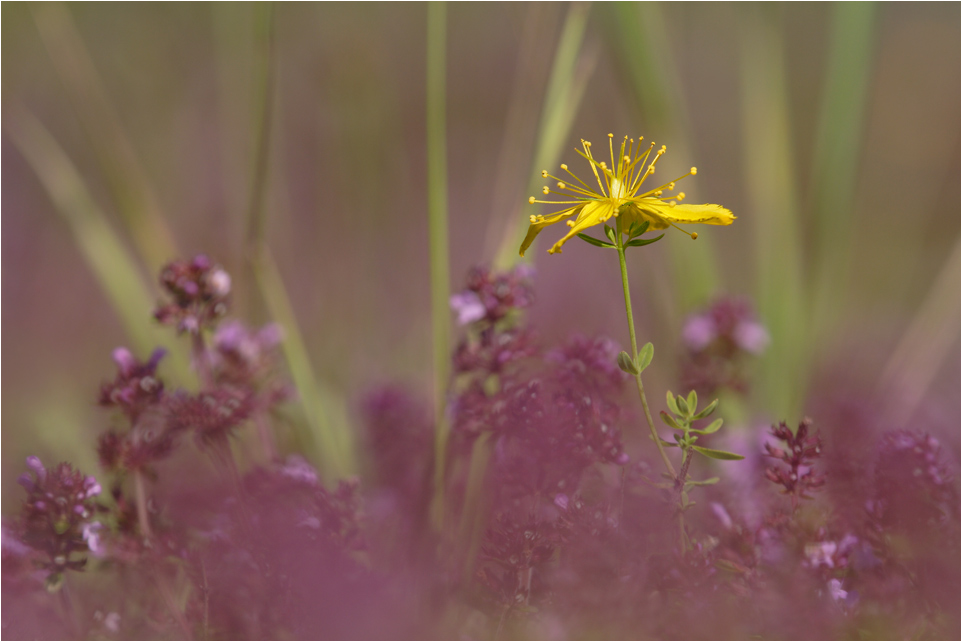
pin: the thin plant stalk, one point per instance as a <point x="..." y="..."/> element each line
<point x="620" y="246"/>
<point x="438" y="240"/>
<point x="140" y="493"/>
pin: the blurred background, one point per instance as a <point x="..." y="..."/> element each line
<point x="134" y="134"/>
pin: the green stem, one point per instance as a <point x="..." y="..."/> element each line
<point x="143" y="517"/>
<point x="438" y="238"/>
<point x="620" y="246"/>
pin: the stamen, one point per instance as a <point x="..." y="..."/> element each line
<point x="694" y="170"/>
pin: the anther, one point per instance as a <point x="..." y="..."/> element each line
<point x="531" y="200"/>
<point x="561" y="185"/>
<point x="657" y="193"/>
<point x="602" y="165"/>
<point x="533" y="218"/>
<point x="570" y="223"/>
<point x="694" y="235"/>
<point x="545" y="190"/>
<point x="672" y="203"/>
<point x="671" y="186"/>
<point x="694" y="170"/>
<point x="564" y="167"/>
<point x="681" y="196"/>
<point x="544" y="173"/>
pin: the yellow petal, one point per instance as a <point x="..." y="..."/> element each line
<point x="593" y="213"/>
<point x="535" y="228"/>
<point x="709" y="214"/>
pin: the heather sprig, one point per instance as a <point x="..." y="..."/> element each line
<point x="57" y="518"/>
<point x="797" y="477"/>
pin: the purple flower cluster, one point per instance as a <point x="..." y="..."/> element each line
<point x="200" y="291"/>
<point x="57" y="517"/>
<point x="544" y="527"/>
<point x="717" y="341"/>
<point x="798" y="478"/>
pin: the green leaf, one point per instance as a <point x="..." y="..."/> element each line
<point x="710" y="428"/>
<point x="710" y="408"/>
<point x="682" y="405"/>
<point x="707" y="482"/>
<point x="610" y="233"/>
<point x="667" y="444"/>
<point x="693" y="400"/>
<point x="627" y="364"/>
<point x="644" y="356"/>
<point x="640" y="242"/>
<point x="594" y="241"/>
<point x="669" y="420"/>
<point x="672" y="406"/>
<point x="717" y="454"/>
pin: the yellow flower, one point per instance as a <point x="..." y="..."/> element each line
<point x="618" y="195"/>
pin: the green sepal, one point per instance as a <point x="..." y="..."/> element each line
<point x="594" y="241"/>
<point x="611" y="234"/>
<point x="672" y="406"/>
<point x="640" y="242"/>
<point x="713" y="427"/>
<point x="637" y="229"/>
<point x="717" y="454"/>
<point x="643" y="360"/>
<point x="669" y="420"/>
<point x="627" y="364"/>
<point x="707" y="410"/>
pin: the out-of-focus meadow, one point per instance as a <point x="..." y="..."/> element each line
<point x="133" y="134"/>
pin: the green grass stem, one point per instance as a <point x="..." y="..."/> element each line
<point x="135" y="199"/>
<point x="570" y="71"/>
<point x="640" y="45"/>
<point x="780" y="294"/>
<point x="438" y="238"/>
<point x="835" y="163"/>
<point x="114" y="267"/>
<point x="332" y="441"/>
